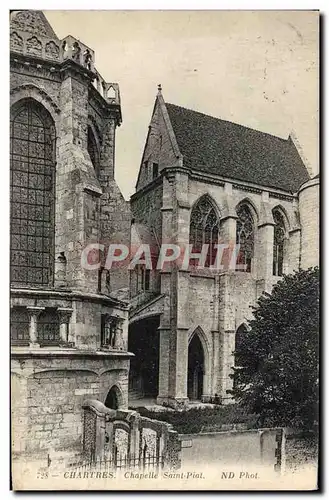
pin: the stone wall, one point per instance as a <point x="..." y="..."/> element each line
<point x="309" y="210"/>
<point x="261" y="447"/>
<point x="48" y="392"/>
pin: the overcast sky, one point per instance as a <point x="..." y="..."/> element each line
<point x="258" y="68"/>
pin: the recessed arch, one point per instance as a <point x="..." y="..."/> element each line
<point x="114" y="398"/>
<point x="198" y="370"/>
<point x="31" y="91"/>
<point x="197" y="330"/>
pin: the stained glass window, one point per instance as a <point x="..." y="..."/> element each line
<point x="32" y="182"/>
<point x="204" y="229"/>
<point x="278" y="243"/>
<point x="19" y="326"/>
<point x="245" y="237"/>
<point x="93" y="150"/>
<point x="48" y="327"/>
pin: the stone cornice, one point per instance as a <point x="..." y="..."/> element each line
<point x="68" y="294"/>
<point x="47" y="69"/>
<point x="281" y="196"/>
<point x="43" y="352"/>
<point x="219" y="181"/>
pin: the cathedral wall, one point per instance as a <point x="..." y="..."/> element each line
<point x="58" y="358"/>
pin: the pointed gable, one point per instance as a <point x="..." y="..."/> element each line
<point x="160" y="148"/>
<point x="31" y="21"/>
<point x="223" y="148"/>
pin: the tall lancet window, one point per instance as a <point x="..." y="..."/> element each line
<point x="204" y="229"/>
<point x="278" y="243"/>
<point x="245" y="237"/>
<point x="32" y="194"/>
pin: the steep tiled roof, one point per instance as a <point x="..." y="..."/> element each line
<point x="227" y="149"/>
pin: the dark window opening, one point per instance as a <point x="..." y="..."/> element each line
<point x="195" y="369"/>
<point x="155" y="170"/>
<point x="147" y="280"/>
<point x="112" y="399"/>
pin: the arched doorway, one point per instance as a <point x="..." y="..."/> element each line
<point x="113" y="398"/>
<point x="143" y="341"/>
<point x="195" y="369"/>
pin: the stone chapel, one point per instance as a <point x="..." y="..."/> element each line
<point x="203" y="180"/>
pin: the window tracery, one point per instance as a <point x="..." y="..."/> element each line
<point x="32" y="183"/>
<point x="204" y="229"/>
<point x="245" y="236"/>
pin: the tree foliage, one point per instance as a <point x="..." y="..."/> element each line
<point x="278" y="356"/>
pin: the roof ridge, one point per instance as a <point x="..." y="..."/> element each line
<point x="228" y="121"/>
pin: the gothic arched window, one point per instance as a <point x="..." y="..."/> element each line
<point x="204" y="229"/>
<point x="278" y="243"/>
<point x="93" y="150"/>
<point x="32" y="191"/>
<point x="245" y="236"/>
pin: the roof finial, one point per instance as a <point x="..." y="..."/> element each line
<point x="159" y="88"/>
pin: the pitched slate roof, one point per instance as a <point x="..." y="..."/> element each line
<point x="227" y="149"/>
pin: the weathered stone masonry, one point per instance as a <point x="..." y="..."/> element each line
<point x="69" y="335"/>
<point x="193" y="169"/>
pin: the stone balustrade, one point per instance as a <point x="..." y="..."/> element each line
<point x="109" y="91"/>
<point x="59" y="51"/>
